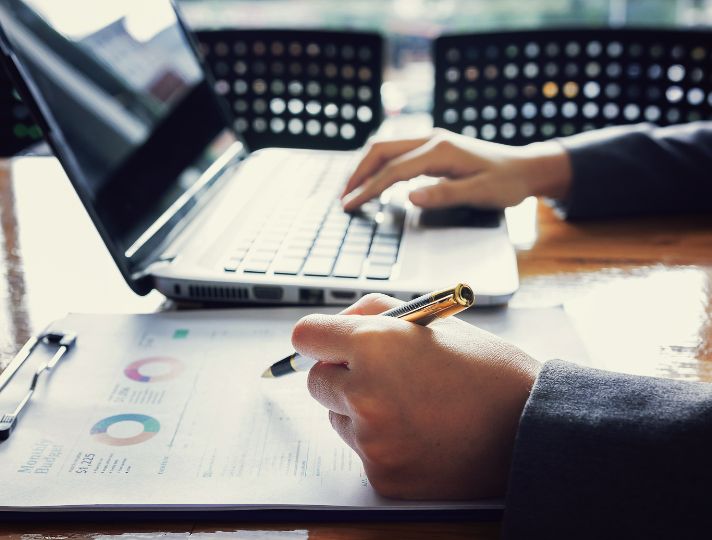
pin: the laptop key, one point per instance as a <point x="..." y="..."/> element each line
<point x="380" y="238"/>
<point x="266" y="246"/>
<point x="359" y="221"/>
<point x="355" y="248"/>
<point x="379" y="271"/>
<point x="384" y="249"/>
<point x="382" y="259"/>
<point x="256" y="266"/>
<point x="295" y="252"/>
<point x="330" y="251"/>
<point x="371" y="207"/>
<point x="231" y="266"/>
<point x="348" y="266"/>
<point x="391" y="225"/>
<point x="288" y="265"/>
<point x="318" y="266"/>
<point x="263" y="254"/>
<point x="327" y="234"/>
<point x="358" y="235"/>
<point x="243" y="245"/>
<point x="298" y="244"/>
<point x="327" y="243"/>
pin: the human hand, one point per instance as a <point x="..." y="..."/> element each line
<point x="473" y="172"/>
<point x="431" y="411"/>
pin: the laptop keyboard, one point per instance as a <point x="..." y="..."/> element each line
<point x="306" y="232"/>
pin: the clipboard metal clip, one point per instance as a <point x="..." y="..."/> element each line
<point x="63" y="341"/>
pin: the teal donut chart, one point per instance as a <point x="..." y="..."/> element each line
<point x="151" y="427"/>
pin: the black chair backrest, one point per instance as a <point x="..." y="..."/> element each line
<point x="290" y="88"/>
<point x="17" y="127"/>
<point x="298" y="88"/>
<point x="521" y="87"/>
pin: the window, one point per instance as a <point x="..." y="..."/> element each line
<point x="410" y="25"/>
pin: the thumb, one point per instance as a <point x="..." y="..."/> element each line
<point x="483" y="190"/>
<point x="447" y="193"/>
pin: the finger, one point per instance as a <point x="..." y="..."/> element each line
<point x="478" y="191"/>
<point x="433" y="158"/>
<point x="446" y="193"/>
<point x="379" y="154"/>
<point x="327" y="338"/>
<point x="484" y="190"/>
<point x="344" y="428"/>
<point x="327" y="385"/>
<point x="372" y="304"/>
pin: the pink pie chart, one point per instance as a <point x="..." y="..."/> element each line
<point x="144" y="370"/>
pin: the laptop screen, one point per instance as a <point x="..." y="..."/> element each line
<point x="126" y="102"/>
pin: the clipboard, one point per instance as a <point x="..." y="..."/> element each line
<point x="166" y="413"/>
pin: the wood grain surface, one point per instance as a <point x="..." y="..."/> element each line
<point x="639" y="293"/>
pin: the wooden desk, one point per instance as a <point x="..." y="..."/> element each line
<point x="639" y="292"/>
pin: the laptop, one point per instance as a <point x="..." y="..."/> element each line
<point x="182" y="204"/>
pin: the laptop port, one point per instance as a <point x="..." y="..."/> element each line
<point x="311" y="296"/>
<point x="343" y="295"/>
<point x="268" y="293"/>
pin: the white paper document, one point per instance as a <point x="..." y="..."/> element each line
<point x="168" y="411"/>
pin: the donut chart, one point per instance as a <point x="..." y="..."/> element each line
<point x="100" y="430"/>
<point x="134" y="370"/>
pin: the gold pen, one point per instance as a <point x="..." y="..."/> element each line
<point x="422" y="310"/>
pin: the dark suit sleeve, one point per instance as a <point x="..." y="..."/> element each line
<point x="607" y="455"/>
<point x="639" y="170"/>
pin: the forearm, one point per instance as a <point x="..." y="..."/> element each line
<point x="639" y="170"/>
<point x="600" y="454"/>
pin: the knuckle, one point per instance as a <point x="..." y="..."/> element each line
<point x="382" y="460"/>
<point x="442" y="145"/>
<point x="368" y="333"/>
<point x="377" y="299"/>
<point x="389" y="171"/>
<point x="367" y="409"/>
<point x="378" y="455"/>
<point x="378" y="337"/>
<point x="377" y="147"/>
<point x="373" y="297"/>
<point x="385" y="486"/>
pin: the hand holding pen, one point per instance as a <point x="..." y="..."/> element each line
<point x="422" y="310"/>
<point x="432" y="412"/>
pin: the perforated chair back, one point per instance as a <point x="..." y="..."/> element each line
<point x="18" y="130"/>
<point x="521" y="87"/>
<point x="296" y="88"/>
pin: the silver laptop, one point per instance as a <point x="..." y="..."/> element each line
<point x="183" y="205"/>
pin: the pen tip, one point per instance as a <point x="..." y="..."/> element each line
<point x="267" y="373"/>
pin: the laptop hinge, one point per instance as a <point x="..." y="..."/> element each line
<point x="151" y="244"/>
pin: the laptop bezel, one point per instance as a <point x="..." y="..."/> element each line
<point x="133" y="271"/>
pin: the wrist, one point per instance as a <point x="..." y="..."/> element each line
<point x="547" y="170"/>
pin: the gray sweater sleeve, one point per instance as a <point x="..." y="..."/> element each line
<point x="639" y="170"/>
<point x="607" y="455"/>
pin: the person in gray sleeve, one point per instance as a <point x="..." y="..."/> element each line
<point x="451" y="411"/>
